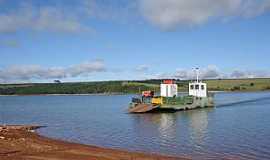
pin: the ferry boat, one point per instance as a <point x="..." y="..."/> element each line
<point x="168" y="100"/>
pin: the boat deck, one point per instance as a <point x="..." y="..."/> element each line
<point x="142" y="108"/>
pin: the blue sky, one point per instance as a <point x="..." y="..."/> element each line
<point x="89" y="40"/>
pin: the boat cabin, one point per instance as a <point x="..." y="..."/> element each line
<point x="168" y="88"/>
<point x="198" y="89"/>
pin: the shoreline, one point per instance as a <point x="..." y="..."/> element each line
<point x="118" y="94"/>
<point x="88" y="94"/>
<point x="22" y="142"/>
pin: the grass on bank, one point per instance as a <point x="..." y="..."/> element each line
<point x="119" y="87"/>
<point x="258" y="84"/>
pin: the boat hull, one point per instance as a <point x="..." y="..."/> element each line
<point x="196" y="103"/>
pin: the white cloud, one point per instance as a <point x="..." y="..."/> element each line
<point x="183" y="74"/>
<point x="249" y="74"/>
<point x="238" y="74"/>
<point x="86" y="68"/>
<point x="205" y="73"/>
<point x="120" y="10"/>
<point x="74" y="16"/>
<point x="169" y="14"/>
<point x="30" y="72"/>
<point x="45" y="18"/>
<point x="211" y="71"/>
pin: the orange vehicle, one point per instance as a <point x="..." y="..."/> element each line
<point x="148" y="93"/>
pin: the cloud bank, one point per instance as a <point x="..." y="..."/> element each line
<point x="30" y="73"/>
<point x="74" y="16"/>
<point x="36" y="72"/>
<point x="249" y="74"/>
<point x="212" y="72"/>
<point x="45" y="18"/>
<point x="170" y="14"/>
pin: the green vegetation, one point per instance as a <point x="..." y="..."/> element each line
<point x="124" y="87"/>
<point x="258" y="84"/>
<point x="108" y="87"/>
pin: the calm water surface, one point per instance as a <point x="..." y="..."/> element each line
<point x="237" y="128"/>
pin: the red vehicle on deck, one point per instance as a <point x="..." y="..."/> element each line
<point x="148" y="93"/>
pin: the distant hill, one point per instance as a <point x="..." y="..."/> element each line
<point x="124" y="87"/>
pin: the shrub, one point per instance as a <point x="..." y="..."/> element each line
<point x="267" y="88"/>
<point x="235" y="88"/>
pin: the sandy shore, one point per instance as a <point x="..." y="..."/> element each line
<point x="21" y="143"/>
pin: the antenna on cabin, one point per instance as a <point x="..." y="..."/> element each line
<point x="197" y="74"/>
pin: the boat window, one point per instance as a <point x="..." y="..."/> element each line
<point x="202" y="87"/>
<point x="197" y="86"/>
<point x="192" y="87"/>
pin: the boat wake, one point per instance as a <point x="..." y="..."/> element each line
<point x="244" y="102"/>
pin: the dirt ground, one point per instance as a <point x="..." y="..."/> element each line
<point x="21" y="143"/>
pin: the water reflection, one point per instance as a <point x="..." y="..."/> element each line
<point x="157" y="129"/>
<point x="163" y="122"/>
<point x="169" y="127"/>
<point x="198" y="123"/>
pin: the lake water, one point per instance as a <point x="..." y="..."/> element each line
<point x="237" y="128"/>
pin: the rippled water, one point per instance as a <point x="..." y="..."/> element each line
<point x="237" y="128"/>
